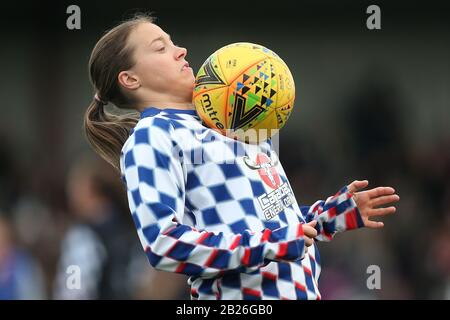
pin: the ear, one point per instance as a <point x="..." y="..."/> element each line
<point x="128" y="80"/>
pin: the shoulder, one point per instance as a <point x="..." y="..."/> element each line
<point x="151" y="143"/>
<point x="158" y="123"/>
<point x="153" y="131"/>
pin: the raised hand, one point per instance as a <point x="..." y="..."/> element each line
<point x="369" y="202"/>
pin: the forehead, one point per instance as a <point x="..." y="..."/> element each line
<point x="148" y="31"/>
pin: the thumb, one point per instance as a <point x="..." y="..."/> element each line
<point x="357" y="184"/>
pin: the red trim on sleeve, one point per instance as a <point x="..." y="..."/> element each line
<point x="167" y="253"/>
<point x="329" y="236"/>
<point x="266" y="235"/>
<point x="351" y="221"/>
<point x="203" y="237"/>
<point x="307" y="270"/>
<point x="212" y="257"/>
<point x="282" y="249"/>
<point x="300" y="232"/>
<point x="168" y="231"/>
<point x="298" y="285"/>
<point x="251" y="292"/>
<point x="331" y="212"/>
<point x="180" y="267"/>
<point x="235" y="242"/>
<point x="269" y="276"/>
<point x="246" y="258"/>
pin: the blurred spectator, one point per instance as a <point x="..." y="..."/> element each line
<point x="100" y="242"/>
<point x="20" y="274"/>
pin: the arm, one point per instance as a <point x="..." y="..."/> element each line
<point x="154" y="175"/>
<point x="349" y="209"/>
<point x="336" y="214"/>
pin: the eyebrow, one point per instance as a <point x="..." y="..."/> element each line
<point x="160" y="38"/>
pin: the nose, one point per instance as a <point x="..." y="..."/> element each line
<point x="181" y="53"/>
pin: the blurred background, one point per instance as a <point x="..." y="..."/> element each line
<point x="371" y="104"/>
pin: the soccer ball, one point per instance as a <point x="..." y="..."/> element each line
<point x="244" y="91"/>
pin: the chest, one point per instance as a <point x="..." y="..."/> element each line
<point x="232" y="186"/>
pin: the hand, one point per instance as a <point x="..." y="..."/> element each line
<point x="309" y="233"/>
<point x="368" y="201"/>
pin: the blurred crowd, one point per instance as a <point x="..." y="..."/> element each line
<point x="88" y="225"/>
<point x="89" y="250"/>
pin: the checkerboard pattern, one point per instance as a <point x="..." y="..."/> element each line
<point x="194" y="202"/>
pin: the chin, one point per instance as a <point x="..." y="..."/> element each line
<point x="191" y="84"/>
<point x="185" y="90"/>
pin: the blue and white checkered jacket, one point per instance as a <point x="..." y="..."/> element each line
<point x="222" y="211"/>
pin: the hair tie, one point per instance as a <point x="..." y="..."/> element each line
<point x="97" y="98"/>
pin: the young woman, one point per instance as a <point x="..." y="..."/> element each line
<point x="204" y="205"/>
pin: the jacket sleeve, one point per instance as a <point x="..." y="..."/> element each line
<point x="153" y="171"/>
<point x="336" y="214"/>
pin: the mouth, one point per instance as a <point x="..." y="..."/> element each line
<point x="185" y="66"/>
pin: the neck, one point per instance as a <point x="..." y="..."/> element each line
<point x="171" y="105"/>
<point x="165" y="104"/>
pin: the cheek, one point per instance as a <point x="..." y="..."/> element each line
<point x="161" y="73"/>
<point x="156" y="72"/>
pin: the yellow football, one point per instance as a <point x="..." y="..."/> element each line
<point x="244" y="91"/>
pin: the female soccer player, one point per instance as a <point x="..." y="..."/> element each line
<point x="204" y="205"/>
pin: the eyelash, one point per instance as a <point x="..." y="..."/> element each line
<point x="163" y="48"/>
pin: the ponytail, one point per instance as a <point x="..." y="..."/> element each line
<point x="107" y="132"/>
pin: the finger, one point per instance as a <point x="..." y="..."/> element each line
<point x="312" y="223"/>
<point x="384" y="200"/>
<point x="374" y="224"/>
<point x="380" y="191"/>
<point x="309" y="231"/>
<point x="357" y="185"/>
<point x="308" y="241"/>
<point x="381" y="211"/>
